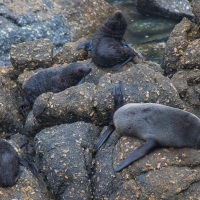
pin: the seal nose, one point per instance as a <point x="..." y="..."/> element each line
<point x="118" y="14"/>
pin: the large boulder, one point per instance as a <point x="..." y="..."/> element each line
<point x="64" y="157"/>
<point x="172" y="9"/>
<point x="31" y="55"/>
<point x="181" y="62"/>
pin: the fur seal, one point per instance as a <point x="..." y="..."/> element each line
<point x="108" y="48"/>
<point x="158" y="125"/>
<point x="10" y="165"/>
<point x="53" y="80"/>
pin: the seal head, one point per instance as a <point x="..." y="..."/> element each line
<point x="115" y="25"/>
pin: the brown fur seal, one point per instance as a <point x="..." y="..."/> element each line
<point x="158" y="125"/>
<point x="10" y="165"/>
<point x="108" y="48"/>
<point x="54" y="80"/>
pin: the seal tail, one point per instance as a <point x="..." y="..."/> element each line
<point x="29" y="166"/>
<point x="118" y="93"/>
<point x="137" y="153"/>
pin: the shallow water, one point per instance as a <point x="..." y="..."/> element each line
<point x="145" y="28"/>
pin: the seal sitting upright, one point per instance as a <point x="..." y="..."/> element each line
<point x="158" y="125"/>
<point x="108" y="48"/>
<point x="10" y="165"/>
<point x="53" y="80"/>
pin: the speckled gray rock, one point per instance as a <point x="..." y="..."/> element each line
<point x="71" y="105"/>
<point x="181" y="57"/>
<point x="10" y="119"/>
<point x="22" y="21"/>
<point x="173" y="9"/>
<point x="97" y="72"/>
<point x="182" y="47"/>
<point x="196" y="10"/>
<point x="64" y="157"/>
<point x="157" y="175"/>
<point x="69" y="54"/>
<point x="142" y="84"/>
<point x="84" y="16"/>
<point x="31" y="55"/>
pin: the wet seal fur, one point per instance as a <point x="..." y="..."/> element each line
<point x="158" y="125"/>
<point x="10" y="165"/>
<point x="108" y="48"/>
<point x="53" y="80"/>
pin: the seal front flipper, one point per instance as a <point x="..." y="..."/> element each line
<point x="138" y="153"/>
<point x="85" y="45"/>
<point x="29" y="166"/>
<point x="81" y="81"/>
<point x="118" y="93"/>
<point x="116" y="67"/>
<point x="104" y="136"/>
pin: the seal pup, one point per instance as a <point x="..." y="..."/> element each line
<point x="53" y="80"/>
<point x="158" y="125"/>
<point x="10" y="165"/>
<point x="108" y="48"/>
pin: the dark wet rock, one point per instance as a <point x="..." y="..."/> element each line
<point x="69" y="54"/>
<point x="161" y="174"/>
<point x="64" y="157"/>
<point x="31" y="55"/>
<point x="72" y="105"/>
<point x="142" y="84"/>
<point x="10" y="119"/>
<point x="172" y="9"/>
<point x="32" y="126"/>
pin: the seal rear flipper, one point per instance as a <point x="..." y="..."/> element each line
<point x="104" y="136"/>
<point x="29" y="166"/>
<point x="116" y="67"/>
<point x="85" y="45"/>
<point x="118" y="93"/>
<point x="138" y="153"/>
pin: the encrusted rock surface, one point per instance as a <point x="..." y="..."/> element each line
<point x="31" y="55"/>
<point x="62" y="128"/>
<point x="71" y="105"/>
<point x="64" y="157"/>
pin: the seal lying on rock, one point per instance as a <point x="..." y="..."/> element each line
<point x="158" y="125"/>
<point x="10" y="165"/>
<point x="108" y="48"/>
<point x="54" y="80"/>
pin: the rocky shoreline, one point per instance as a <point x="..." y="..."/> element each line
<point x="58" y="134"/>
